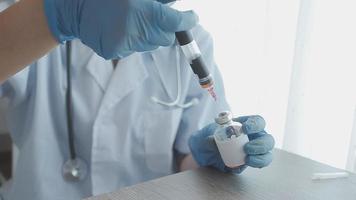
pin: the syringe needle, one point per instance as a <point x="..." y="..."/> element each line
<point x="212" y="93"/>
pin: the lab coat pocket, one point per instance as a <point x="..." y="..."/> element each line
<point x="160" y="129"/>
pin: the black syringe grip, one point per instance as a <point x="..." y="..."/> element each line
<point x="197" y="64"/>
<point x="199" y="68"/>
<point x="184" y="37"/>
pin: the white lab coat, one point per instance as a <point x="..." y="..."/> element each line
<point x="119" y="131"/>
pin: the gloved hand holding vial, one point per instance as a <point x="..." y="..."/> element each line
<point x="232" y="144"/>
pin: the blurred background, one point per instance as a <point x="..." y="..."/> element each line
<point x="293" y="62"/>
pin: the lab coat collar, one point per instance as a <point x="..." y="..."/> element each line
<point x="100" y="70"/>
<point x="128" y="75"/>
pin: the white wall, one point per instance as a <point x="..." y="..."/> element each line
<point x="321" y="120"/>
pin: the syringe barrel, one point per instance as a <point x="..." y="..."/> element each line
<point x="193" y="54"/>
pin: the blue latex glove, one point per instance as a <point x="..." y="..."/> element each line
<point x="117" y="28"/>
<point x="258" y="149"/>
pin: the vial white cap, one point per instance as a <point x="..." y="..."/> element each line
<point x="224" y="117"/>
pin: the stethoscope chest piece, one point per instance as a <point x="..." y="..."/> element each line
<point x="74" y="170"/>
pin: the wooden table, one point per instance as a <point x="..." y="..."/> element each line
<point x="287" y="178"/>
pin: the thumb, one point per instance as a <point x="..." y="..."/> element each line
<point x="171" y="20"/>
<point x="251" y="124"/>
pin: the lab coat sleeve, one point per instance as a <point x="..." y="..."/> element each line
<point x="200" y="115"/>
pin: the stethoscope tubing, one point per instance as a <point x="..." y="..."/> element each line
<point x="69" y="107"/>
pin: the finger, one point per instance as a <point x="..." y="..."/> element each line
<point x="254" y="136"/>
<point x="260" y="145"/>
<point x="171" y="20"/>
<point x="205" y="152"/>
<point x="204" y="139"/>
<point x="251" y="124"/>
<point x="259" y="161"/>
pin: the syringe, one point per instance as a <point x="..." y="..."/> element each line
<point x="193" y="54"/>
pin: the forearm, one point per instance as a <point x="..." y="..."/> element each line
<point x="187" y="163"/>
<point x="24" y="36"/>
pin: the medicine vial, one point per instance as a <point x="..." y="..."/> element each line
<point x="230" y="140"/>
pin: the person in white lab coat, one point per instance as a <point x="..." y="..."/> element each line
<point x="122" y="135"/>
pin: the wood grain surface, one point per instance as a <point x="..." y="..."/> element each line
<point x="287" y="178"/>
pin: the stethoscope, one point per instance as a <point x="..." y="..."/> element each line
<point x="75" y="168"/>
